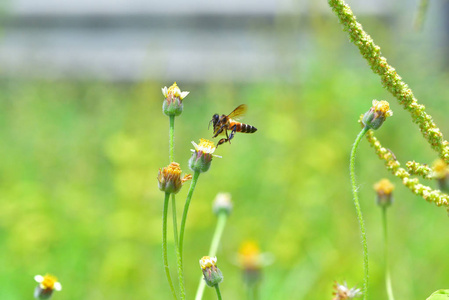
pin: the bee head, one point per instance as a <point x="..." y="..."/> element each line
<point x="214" y="121"/>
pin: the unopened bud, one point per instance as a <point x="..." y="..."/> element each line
<point x="377" y="114"/>
<point x="222" y="203"/>
<point x="172" y="105"/>
<point x="384" y="190"/>
<point x="212" y="274"/>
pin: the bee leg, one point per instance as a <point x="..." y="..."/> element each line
<point x="222" y="141"/>
<point x="234" y="130"/>
<point x="220" y="130"/>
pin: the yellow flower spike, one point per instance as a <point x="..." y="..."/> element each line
<point x="169" y="178"/>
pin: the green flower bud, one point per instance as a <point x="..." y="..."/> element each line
<point x="202" y="156"/>
<point x="212" y="274"/>
<point x="222" y="203"/>
<point x="377" y="114"/>
<point x="172" y="105"/>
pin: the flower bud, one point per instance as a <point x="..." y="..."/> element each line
<point x="169" y="178"/>
<point x="377" y="114"/>
<point x="47" y="284"/>
<point x="202" y="156"/>
<point x="384" y="190"/>
<point x="342" y="292"/>
<point x="172" y="105"/>
<point x="222" y="203"/>
<point x="212" y="274"/>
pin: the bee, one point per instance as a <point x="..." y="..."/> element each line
<point x="224" y="123"/>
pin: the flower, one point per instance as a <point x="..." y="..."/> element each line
<point x="441" y="173"/>
<point x="202" y="156"/>
<point x="384" y="189"/>
<point x="169" y="178"/>
<point x="377" y="114"/>
<point x="172" y="105"/>
<point x="251" y="260"/>
<point x="212" y="275"/>
<point x="222" y="203"/>
<point x="47" y="284"/>
<point x="342" y="292"/>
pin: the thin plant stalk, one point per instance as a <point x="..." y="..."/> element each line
<point x="178" y="254"/>
<point x="358" y="210"/>
<point x="386" y="261"/>
<point x="217" y="289"/>
<point x="252" y="292"/>
<point x="171" y="134"/>
<point x="164" y="244"/>
<point x="221" y="223"/>
<point x="196" y="174"/>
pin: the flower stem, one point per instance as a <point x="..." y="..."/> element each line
<point x="358" y="210"/>
<point x="222" y="218"/>
<point x="218" y="292"/>
<point x="164" y="244"/>
<point x="386" y="262"/>
<point x="196" y="174"/>
<point x="171" y="134"/>
<point x="178" y="254"/>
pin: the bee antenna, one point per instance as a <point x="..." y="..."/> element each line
<point x="209" y="124"/>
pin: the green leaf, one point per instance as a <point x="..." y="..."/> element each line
<point x="439" y="295"/>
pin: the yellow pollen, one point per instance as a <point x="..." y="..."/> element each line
<point x="207" y="262"/>
<point x="49" y="282"/>
<point x="384" y="186"/>
<point x="174" y="90"/>
<point x="206" y="146"/>
<point x="173" y="169"/>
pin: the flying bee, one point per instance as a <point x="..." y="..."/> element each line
<point x="224" y="123"/>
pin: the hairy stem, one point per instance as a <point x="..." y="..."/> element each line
<point x="222" y="218"/>
<point x="386" y="262"/>
<point x="178" y="254"/>
<point x="358" y="210"/>
<point x="196" y="174"/>
<point x="217" y="289"/>
<point x="171" y="134"/>
<point x="164" y="245"/>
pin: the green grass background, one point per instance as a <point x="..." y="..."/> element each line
<point x="79" y="196"/>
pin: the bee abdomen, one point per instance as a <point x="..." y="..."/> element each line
<point x="245" y="128"/>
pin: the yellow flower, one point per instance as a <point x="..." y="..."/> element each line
<point x="440" y="169"/>
<point x="202" y="156"/>
<point x="250" y="256"/>
<point x="174" y="91"/>
<point x="208" y="262"/>
<point x="377" y="114"/>
<point x="47" y="284"/>
<point x="169" y="178"/>
<point x="172" y="105"/>
<point x="384" y="189"/>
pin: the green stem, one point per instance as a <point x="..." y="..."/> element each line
<point x="218" y="292"/>
<point x="196" y="174"/>
<point x="358" y="210"/>
<point x="222" y="218"/>
<point x="164" y="244"/>
<point x="178" y="254"/>
<point x="387" y="270"/>
<point x="171" y="138"/>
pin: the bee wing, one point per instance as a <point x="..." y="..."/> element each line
<point x="238" y="112"/>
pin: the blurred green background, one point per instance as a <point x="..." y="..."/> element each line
<point x="79" y="196"/>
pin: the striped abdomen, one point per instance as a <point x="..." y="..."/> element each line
<point x="242" y="127"/>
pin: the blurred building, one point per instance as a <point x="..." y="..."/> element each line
<point x="129" y="40"/>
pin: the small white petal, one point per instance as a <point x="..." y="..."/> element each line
<point x="39" y="278"/>
<point x="164" y="91"/>
<point x="184" y="94"/>
<point x="57" y="286"/>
